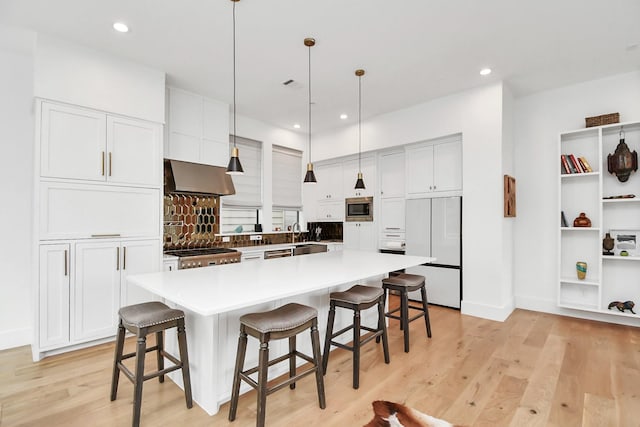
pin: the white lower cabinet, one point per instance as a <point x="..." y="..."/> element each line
<point x="359" y="236"/>
<point x="53" y="295"/>
<point x="82" y="286"/>
<point x="97" y="290"/>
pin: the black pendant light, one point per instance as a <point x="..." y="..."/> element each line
<point x="234" y="168"/>
<point x="310" y="177"/>
<point x="359" y="181"/>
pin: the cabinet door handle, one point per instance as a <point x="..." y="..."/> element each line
<point x="169" y="268"/>
<point x="118" y="258"/>
<point x="392" y="235"/>
<point x="102" y="162"/>
<point x="110" y="162"/>
<point x="106" y="235"/>
<point x="392" y="228"/>
<point x="66" y="263"/>
<point x="124" y="257"/>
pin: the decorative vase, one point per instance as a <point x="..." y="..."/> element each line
<point x="607" y="244"/>
<point x="582" y="221"/>
<point x="581" y="269"/>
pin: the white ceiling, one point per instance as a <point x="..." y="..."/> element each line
<point x="412" y="50"/>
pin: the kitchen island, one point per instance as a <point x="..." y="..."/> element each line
<point x="215" y="297"/>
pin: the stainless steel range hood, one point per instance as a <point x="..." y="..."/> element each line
<point x="196" y="178"/>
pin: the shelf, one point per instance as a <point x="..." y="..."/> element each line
<point x="583" y="174"/>
<point x="575" y="281"/>
<point x="621" y="258"/>
<point x="635" y="200"/>
<point x="580" y="229"/>
<point x="583" y="307"/>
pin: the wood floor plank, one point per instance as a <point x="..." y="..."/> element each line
<point x="531" y="362"/>
<point x="599" y="411"/>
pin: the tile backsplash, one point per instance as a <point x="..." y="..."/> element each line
<point x="190" y="220"/>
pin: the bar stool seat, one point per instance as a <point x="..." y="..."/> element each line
<point x="141" y="320"/>
<point x="286" y="321"/>
<point x="356" y="298"/>
<point x="404" y="283"/>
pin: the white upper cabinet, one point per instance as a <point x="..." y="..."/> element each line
<point x="73" y="143"/>
<point x="392" y="172"/>
<point x="198" y="129"/>
<point x="435" y="168"/>
<point x="133" y="148"/>
<point x="83" y="144"/>
<point x="350" y="175"/>
<point x="329" y="186"/>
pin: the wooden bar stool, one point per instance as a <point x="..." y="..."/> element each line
<point x="283" y="322"/>
<point x="403" y="284"/>
<point x="357" y="298"/>
<point x="141" y="320"/>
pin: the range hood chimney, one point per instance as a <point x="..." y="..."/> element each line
<point x="196" y="178"/>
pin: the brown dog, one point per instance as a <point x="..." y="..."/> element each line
<point x="389" y="414"/>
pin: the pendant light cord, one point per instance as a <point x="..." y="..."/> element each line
<point x="234" y="74"/>
<point x="309" y="104"/>
<point x="359" y="122"/>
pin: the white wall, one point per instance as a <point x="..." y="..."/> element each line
<point x="16" y="174"/>
<point x="270" y="136"/>
<point x="508" y="169"/>
<point x="78" y="75"/>
<point x="539" y="120"/>
<point x="477" y="114"/>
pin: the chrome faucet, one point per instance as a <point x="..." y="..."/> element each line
<point x="295" y="228"/>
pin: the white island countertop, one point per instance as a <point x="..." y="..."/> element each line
<point x="223" y="288"/>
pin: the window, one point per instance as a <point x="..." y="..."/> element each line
<point x="231" y="218"/>
<point x="283" y="219"/>
<point x="249" y="185"/>
<point x="287" y="178"/>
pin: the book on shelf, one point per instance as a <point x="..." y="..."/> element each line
<point x="585" y="163"/>
<point x="575" y="163"/>
<point x="563" y="220"/>
<point x="565" y="165"/>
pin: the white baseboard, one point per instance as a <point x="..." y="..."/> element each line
<point x="485" y="311"/>
<point x="15" y="338"/>
<point x="550" y="306"/>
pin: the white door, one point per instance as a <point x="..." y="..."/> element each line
<point x="97" y="290"/>
<point x="418" y="235"/>
<point x="54" y="295"/>
<point x="392" y="171"/>
<point x="420" y="170"/>
<point x="447" y="166"/>
<point x="138" y="257"/>
<point x="72" y="143"/>
<point x="351" y="236"/>
<point x="368" y="241"/>
<point x="392" y="216"/>
<point x="133" y="151"/>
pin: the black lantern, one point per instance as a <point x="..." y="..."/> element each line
<point x="623" y="161"/>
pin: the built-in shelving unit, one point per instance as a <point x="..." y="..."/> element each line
<point x="609" y="277"/>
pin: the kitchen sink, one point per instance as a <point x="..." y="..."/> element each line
<point x="309" y="248"/>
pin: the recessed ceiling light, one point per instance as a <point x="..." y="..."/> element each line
<point x="344" y="116"/>
<point x="485" y="71"/>
<point x="120" y="27"/>
<point x="297" y="126"/>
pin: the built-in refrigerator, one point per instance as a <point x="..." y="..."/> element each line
<point x="434" y="229"/>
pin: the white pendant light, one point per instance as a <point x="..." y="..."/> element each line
<point x="359" y="182"/>
<point x="310" y="177"/>
<point x="234" y="167"/>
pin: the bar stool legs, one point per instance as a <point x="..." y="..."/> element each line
<point x="357" y="298"/>
<point x="403" y="284"/>
<point x="142" y="320"/>
<point x="284" y="322"/>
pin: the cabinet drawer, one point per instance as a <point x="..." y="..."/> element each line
<point x="82" y="211"/>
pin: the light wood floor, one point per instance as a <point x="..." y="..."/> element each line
<point x="534" y="369"/>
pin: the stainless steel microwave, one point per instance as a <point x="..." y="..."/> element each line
<point x="358" y="209"/>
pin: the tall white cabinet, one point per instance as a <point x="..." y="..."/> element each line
<point x="98" y="188"/>
<point x="608" y="277"/>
